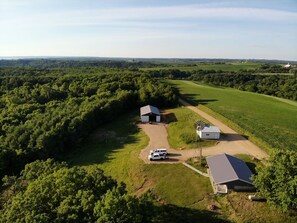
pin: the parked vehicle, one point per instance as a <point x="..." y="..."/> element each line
<point x="161" y="151"/>
<point x="156" y="156"/>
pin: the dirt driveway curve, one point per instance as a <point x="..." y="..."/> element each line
<point x="231" y="142"/>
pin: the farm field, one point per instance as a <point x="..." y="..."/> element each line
<point x="269" y="122"/>
<point x="115" y="148"/>
<point x="236" y="66"/>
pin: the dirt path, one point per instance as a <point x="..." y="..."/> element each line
<point x="231" y="142"/>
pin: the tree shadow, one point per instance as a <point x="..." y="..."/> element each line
<point x="168" y="117"/>
<point x="172" y="213"/>
<point x="195" y="101"/>
<point x="252" y="167"/>
<point x="103" y="142"/>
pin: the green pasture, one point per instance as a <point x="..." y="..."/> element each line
<point x="236" y="66"/>
<point x="269" y="122"/>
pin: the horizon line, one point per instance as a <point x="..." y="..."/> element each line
<point x="139" y="58"/>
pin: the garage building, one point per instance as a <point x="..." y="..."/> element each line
<point x="150" y="114"/>
<point x="228" y="172"/>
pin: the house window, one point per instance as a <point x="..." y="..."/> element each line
<point x="207" y="134"/>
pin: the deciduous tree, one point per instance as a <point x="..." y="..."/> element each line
<point x="277" y="181"/>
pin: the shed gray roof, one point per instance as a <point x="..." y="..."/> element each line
<point x="225" y="168"/>
<point x="148" y="110"/>
<point x="210" y="129"/>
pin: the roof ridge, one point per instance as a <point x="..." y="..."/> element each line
<point x="242" y="162"/>
<point x="230" y="164"/>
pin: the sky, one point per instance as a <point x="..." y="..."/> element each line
<point x="235" y="29"/>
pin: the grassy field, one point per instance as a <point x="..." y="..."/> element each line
<point x="115" y="149"/>
<point x="236" y="66"/>
<point x="185" y="194"/>
<point x="269" y="122"/>
<point x="181" y="133"/>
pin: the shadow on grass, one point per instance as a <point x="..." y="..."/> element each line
<point x="194" y="101"/>
<point x="173" y="213"/>
<point x="232" y="137"/>
<point x="169" y="118"/>
<point x="106" y="140"/>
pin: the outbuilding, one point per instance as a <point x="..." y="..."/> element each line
<point x="150" y="114"/>
<point x="208" y="132"/>
<point x="228" y="172"/>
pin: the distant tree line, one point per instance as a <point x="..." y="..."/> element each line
<point x="76" y="63"/>
<point x="271" y="68"/>
<point x="43" y="116"/>
<point x="278" y="85"/>
<point x="282" y="86"/>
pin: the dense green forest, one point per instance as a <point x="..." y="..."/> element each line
<point x="47" y="112"/>
<point x="47" y="191"/>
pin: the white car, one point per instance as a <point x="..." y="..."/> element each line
<point x="156" y="156"/>
<point x="161" y="151"/>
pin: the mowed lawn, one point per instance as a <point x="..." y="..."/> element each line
<point x="182" y="133"/>
<point x="270" y="122"/>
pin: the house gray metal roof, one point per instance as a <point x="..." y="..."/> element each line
<point x="210" y="129"/>
<point x="149" y="110"/>
<point x="225" y="168"/>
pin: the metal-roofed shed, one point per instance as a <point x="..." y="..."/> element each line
<point x="150" y="113"/>
<point x="228" y="170"/>
<point x="208" y="132"/>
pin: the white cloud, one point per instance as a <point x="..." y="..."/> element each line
<point x="175" y="12"/>
<point x="143" y="15"/>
